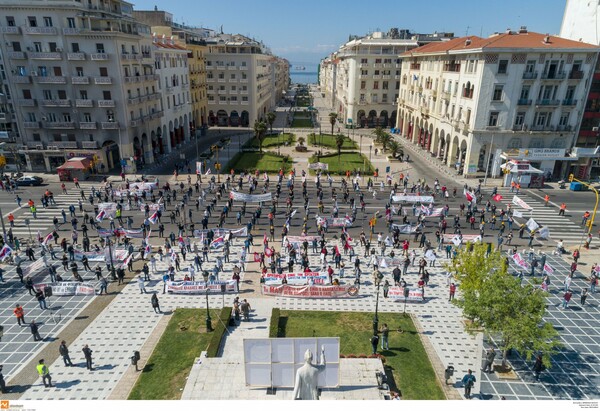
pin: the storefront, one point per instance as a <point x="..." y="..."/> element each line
<point x="523" y="173"/>
<point x="552" y="162"/>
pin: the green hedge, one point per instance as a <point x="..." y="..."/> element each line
<point x="274" y="325"/>
<point x="215" y="342"/>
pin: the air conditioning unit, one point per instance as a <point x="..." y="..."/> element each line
<point x="595" y="129"/>
<point x="39" y="146"/>
<point x="59" y="49"/>
<point x="53" y="148"/>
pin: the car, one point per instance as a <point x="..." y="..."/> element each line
<point x="30" y="181"/>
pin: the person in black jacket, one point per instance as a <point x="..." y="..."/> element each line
<point x="87" y="353"/>
<point x="64" y="352"/>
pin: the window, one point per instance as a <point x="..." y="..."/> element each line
<point x="47" y="94"/>
<point x="497" y="95"/>
<point x="106" y="95"/>
<point x="75" y="47"/>
<point x="31" y="117"/>
<point x="502" y="66"/>
<point x="27" y="94"/>
<point x="57" y="71"/>
<point x="362" y="98"/>
<point x="570" y="93"/>
<point x="38" y="46"/>
<point x="374" y="98"/>
<point x="79" y="71"/>
<point x="525" y="92"/>
<point x="48" y="21"/>
<point x="519" y="119"/>
<point x="100" y="48"/>
<point x="51" y="117"/>
<point x="103" y="72"/>
<point x="364" y="61"/>
<point x="384" y="98"/>
<point x="66" y="117"/>
<point x="493" y="121"/>
<point x="32" y="21"/>
<point x="16" y="46"/>
<point x="10" y="21"/>
<point x="87" y="117"/>
<point x="385" y="86"/>
<point x="83" y="94"/>
<point x="376" y="85"/>
<point x="542" y="119"/>
<point x="564" y="119"/>
<point x="71" y="22"/>
<point x="52" y="47"/>
<point x="363" y="85"/>
<point x="364" y="72"/>
<point x="530" y="66"/>
<point x="62" y="95"/>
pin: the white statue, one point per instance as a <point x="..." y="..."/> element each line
<point x="307" y="377"/>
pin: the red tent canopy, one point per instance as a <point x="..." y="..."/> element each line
<point x="78" y="163"/>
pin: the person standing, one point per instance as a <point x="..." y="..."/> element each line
<point x="44" y="372"/>
<point x="567" y="298"/>
<point x="141" y="285"/>
<point x="468" y="382"/>
<point x="584" y="294"/>
<point x="87" y="353"/>
<point x="374" y="342"/>
<point x="103" y="286"/>
<point x="489" y="361"/>
<point x="452" y="291"/>
<point x="538" y="367"/>
<point x="35" y="331"/>
<point x="20" y="314"/>
<point x="64" y="353"/>
<point x="155" y="304"/>
<point x="385" y="333"/>
<point x="245" y="307"/>
<point x="2" y="382"/>
<point x="41" y="299"/>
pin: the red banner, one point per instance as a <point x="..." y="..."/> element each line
<point x="414" y="294"/>
<point x="315" y="291"/>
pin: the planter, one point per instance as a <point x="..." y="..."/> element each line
<point x="301" y="149"/>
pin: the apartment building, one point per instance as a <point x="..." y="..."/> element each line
<point x="82" y="75"/>
<point x="172" y="69"/>
<point x="361" y="80"/>
<point x="9" y="129"/>
<point x="475" y="101"/>
<point x="244" y="80"/>
<point x="581" y="23"/>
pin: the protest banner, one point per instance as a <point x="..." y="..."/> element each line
<point x="414" y="294"/>
<point x="517" y="213"/>
<point x="404" y="228"/>
<point x="222" y="232"/>
<point x="412" y="199"/>
<point x="67" y="288"/>
<point x="152" y="207"/>
<point x="464" y="238"/>
<point x="139" y="233"/>
<point x="200" y="287"/>
<point x="91" y="256"/>
<point x="250" y="198"/>
<point x="318" y="166"/>
<point x="198" y="167"/>
<point x="110" y="209"/>
<point x="311" y="291"/>
<point x="520" y="261"/>
<point x="548" y="269"/>
<point x="544" y="233"/>
<point x="532" y="225"/>
<point x="517" y="201"/>
<point x="302" y="238"/>
<point x="301" y="278"/>
<point x="334" y="222"/>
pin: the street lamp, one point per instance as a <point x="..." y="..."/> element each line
<point x="3" y="227"/>
<point x="376" y="318"/>
<point x="112" y="265"/>
<point x="28" y="227"/>
<point x="208" y="319"/>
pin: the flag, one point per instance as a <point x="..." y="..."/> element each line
<point x="470" y="197"/>
<point x="548" y="269"/>
<point x="517" y="213"/>
<point x="497" y="198"/>
<point x="181" y="241"/>
<point x="153" y="218"/>
<point x="532" y="225"/>
<point x="544" y="232"/>
<point x="5" y="252"/>
<point x="383" y="263"/>
<point x="48" y="238"/>
<point x="293" y="213"/>
<point x="101" y="215"/>
<point x="147" y="250"/>
<point x="217" y="243"/>
<point x="207" y="172"/>
<point x="265" y="239"/>
<point x="128" y="259"/>
<point x="268" y="252"/>
<point x="173" y="254"/>
<point x="256" y="257"/>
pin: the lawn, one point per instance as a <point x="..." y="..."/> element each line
<point x="347" y="161"/>
<point x="328" y="140"/>
<point x="251" y="161"/>
<point x="406" y="360"/>
<point x="165" y="374"/>
<point x="302" y="123"/>
<point x="272" y="141"/>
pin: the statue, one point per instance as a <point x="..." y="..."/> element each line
<point x="305" y="387"/>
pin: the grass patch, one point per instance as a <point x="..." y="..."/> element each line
<point x="272" y="141"/>
<point x="215" y="342"/>
<point x="165" y="374"/>
<point x="347" y="161"/>
<point x="328" y="140"/>
<point x="266" y="161"/>
<point x="406" y="360"/>
<point x="302" y="123"/>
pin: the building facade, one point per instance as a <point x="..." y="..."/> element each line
<point x="361" y="80"/>
<point x="83" y="76"/>
<point x="473" y="102"/>
<point x="244" y="80"/>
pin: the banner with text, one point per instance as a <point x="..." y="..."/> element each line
<point x="517" y="201"/>
<point x="414" y="294"/>
<point x="296" y="278"/>
<point x="412" y="199"/>
<point x="250" y="198"/>
<point x="67" y="288"/>
<point x="200" y="287"/>
<point x="311" y="291"/>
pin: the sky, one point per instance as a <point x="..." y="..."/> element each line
<point x="306" y="31"/>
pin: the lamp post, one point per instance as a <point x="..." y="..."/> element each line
<point x="360" y="151"/>
<point x="112" y="265"/>
<point x="3" y="227"/>
<point x="208" y="319"/>
<point x="26" y="223"/>
<point x="487" y="167"/>
<point x="376" y="318"/>
<point x="370" y="149"/>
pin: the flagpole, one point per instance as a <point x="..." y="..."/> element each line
<point x="3" y="227"/>
<point x="487" y="167"/>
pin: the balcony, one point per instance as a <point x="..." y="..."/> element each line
<point x="434" y="93"/>
<point x="244" y="80"/>
<point x="377" y="77"/>
<point x="541" y="128"/>
<point x="222" y="92"/>
<point x="143" y="99"/>
<point x="80" y="80"/>
<point x="51" y="80"/>
<point x="31" y="124"/>
<point x="127" y="56"/>
<point x="576" y="74"/>
<point x="40" y="30"/>
<point x="386" y="77"/>
<point x="151" y="77"/>
<point x="232" y="91"/>
<point x="99" y="56"/>
<point x="56" y="103"/>
<point x="21" y="79"/>
<point x="106" y="103"/>
<point x="109" y="125"/>
<point x="547" y="102"/>
<point x="89" y="144"/>
<point x="169" y="89"/>
<point x="65" y="144"/>
<point x="88" y="125"/>
<point x="415" y="66"/>
<point x="186" y="86"/>
<point x="84" y="103"/>
<point x="71" y="31"/>
<point x="75" y="56"/>
<point x="17" y="55"/>
<point x="153" y="96"/>
<point x="132" y="79"/>
<point x="135" y="123"/>
<point x="210" y="80"/>
<point x="567" y="127"/>
<point x="102" y="80"/>
<point x="66" y="125"/>
<point x="50" y="55"/>
<point x="557" y="75"/>
<point x="28" y="102"/>
<point x="530" y="75"/>
<point x="231" y="68"/>
<point x="157" y="114"/>
<point x="133" y="100"/>
<point x="445" y="95"/>
<point x="10" y="30"/>
<point x="569" y="102"/>
<point x="524" y="102"/>
<point x="377" y="65"/>
<point x="220" y="80"/>
<point x="244" y="103"/>
<point x="455" y="68"/>
<point x="244" y="92"/>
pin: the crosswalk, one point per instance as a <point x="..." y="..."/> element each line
<point x="561" y="228"/>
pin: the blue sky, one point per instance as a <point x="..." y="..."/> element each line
<point x="306" y="31"/>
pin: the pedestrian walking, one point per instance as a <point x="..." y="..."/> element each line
<point x="155" y="304"/>
<point x="103" y="286"/>
<point x="35" y="331"/>
<point x="64" y="353"/>
<point x="538" y="366"/>
<point x="567" y="298"/>
<point x="141" y="285"/>
<point x="489" y="360"/>
<point x="20" y="314"/>
<point x="87" y="353"/>
<point x="452" y="291"/>
<point x="245" y="307"/>
<point x="44" y="372"/>
<point x="374" y="342"/>
<point x="3" y="389"/>
<point x="385" y="333"/>
<point x="584" y="294"/>
<point x="41" y="299"/>
<point x="468" y="382"/>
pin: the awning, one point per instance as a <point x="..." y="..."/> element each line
<point x="76" y="164"/>
<point x="520" y="167"/>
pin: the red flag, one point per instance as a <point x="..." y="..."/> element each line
<point x="497" y="198"/>
<point x="265" y="239"/>
<point x="469" y="196"/>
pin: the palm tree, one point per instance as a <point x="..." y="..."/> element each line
<point x="382" y="137"/>
<point x="332" y="119"/>
<point x="394" y="147"/>
<point x="339" y="142"/>
<point x="260" y="128"/>
<point x="271" y="119"/>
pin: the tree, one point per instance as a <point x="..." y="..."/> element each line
<point x="260" y="128"/>
<point x="382" y="137"/>
<point x="339" y="142"/>
<point x="394" y="147"/>
<point x="496" y="301"/>
<point x="332" y="119"/>
<point x="271" y="119"/>
<point x="301" y="141"/>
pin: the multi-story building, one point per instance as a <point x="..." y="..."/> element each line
<point x="581" y="23"/>
<point x="9" y="130"/>
<point x="174" y="87"/>
<point x="82" y="75"/>
<point x="193" y="39"/>
<point x="361" y="80"/>
<point x="244" y="80"/>
<point x="472" y="101"/>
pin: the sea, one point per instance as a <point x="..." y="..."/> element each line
<point x="307" y="76"/>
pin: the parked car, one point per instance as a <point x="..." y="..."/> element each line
<point x="30" y="181"/>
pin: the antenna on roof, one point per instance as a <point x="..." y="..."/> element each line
<point x="467" y="30"/>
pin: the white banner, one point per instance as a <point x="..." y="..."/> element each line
<point x="318" y="166"/>
<point x="200" y="287"/>
<point x="517" y="213"/>
<point x="296" y="278"/>
<point x="67" y="288"/>
<point x="109" y="208"/>
<point x="152" y="207"/>
<point x="397" y="294"/>
<point x="250" y="198"/>
<point x="412" y="199"/>
<point x="465" y="238"/>
<point x="519" y="261"/>
<point x="404" y="228"/>
<point x="532" y="225"/>
<point x="517" y="201"/>
<point x="544" y="233"/>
